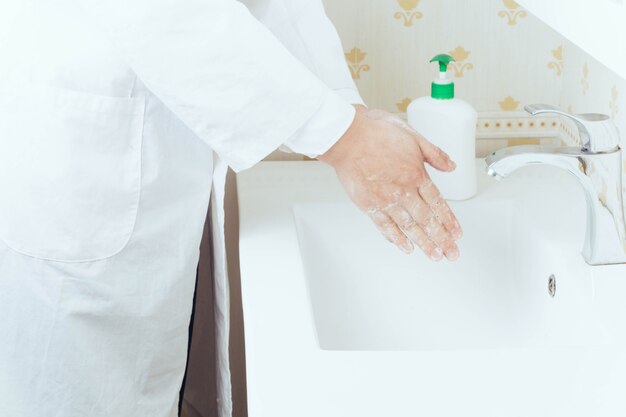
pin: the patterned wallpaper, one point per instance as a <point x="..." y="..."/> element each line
<point x="505" y="57"/>
<point x="590" y="87"/>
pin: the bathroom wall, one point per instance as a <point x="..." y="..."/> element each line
<point x="506" y="58"/>
<point x="590" y="87"/>
<point x="596" y="26"/>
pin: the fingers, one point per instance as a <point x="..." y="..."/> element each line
<point x="416" y="219"/>
<point x="415" y="232"/>
<point x="390" y="230"/>
<point x="430" y="194"/>
<point x="437" y="158"/>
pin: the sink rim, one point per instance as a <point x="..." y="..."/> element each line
<point x="286" y="368"/>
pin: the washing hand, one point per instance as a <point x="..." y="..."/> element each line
<point x="380" y="163"/>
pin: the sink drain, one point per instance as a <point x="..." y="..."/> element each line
<point x="552" y="285"/>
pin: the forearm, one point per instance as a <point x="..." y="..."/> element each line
<point x="221" y="72"/>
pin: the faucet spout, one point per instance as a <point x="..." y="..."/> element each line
<point x="503" y="162"/>
<point x="599" y="174"/>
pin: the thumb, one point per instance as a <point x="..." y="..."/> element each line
<point x="437" y="158"/>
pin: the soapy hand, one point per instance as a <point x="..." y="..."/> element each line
<point x="380" y="163"/>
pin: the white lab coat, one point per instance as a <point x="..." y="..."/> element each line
<point x="115" y="119"/>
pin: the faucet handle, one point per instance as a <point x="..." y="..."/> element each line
<point x="597" y="131"/>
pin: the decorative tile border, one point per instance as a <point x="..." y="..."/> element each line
<point x="512" y="125"/>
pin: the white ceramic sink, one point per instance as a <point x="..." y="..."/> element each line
<point x="367" y="295"/>
<point x="339" y="323"/>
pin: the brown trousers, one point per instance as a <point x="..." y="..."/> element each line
<point x="198" y="395"/>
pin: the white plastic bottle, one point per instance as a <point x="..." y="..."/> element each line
<point x="450" y="124"/>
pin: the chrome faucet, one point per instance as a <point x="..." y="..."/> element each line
<point x="597" y="165"/>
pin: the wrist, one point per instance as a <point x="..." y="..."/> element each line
<point x="360" y="108"/>
<point x="341" y="148"/>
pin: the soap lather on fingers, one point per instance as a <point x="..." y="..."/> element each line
<point x="380" y="163"/>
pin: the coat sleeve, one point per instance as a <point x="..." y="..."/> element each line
<point x="223" y="74"/>
<point x="307" y="32"/>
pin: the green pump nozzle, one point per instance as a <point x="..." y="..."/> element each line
<point x="443" y="88"/>
<point x="444" y="60"/>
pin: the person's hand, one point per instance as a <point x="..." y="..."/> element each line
<point x="380" y="163"/>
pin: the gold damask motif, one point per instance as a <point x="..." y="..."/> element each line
<point x="355" y="60"/>
<point x="403" y="105"/>
<point x="557" y="64"/>
<point x="613" y="102"/>
<point x="512" y="12"/>
<point x="509" y="104"/>
<point x="408" y="13"/>
<point x="585" y="80"/>
<point x="460" y="55"/>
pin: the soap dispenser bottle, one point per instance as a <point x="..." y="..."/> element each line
<point x="450" y="124"/>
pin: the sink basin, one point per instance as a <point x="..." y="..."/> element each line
<point x="339" y="323"/>
<point x="367" y="295"/>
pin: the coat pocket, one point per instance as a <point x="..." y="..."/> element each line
<point x="70" y="172"/>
